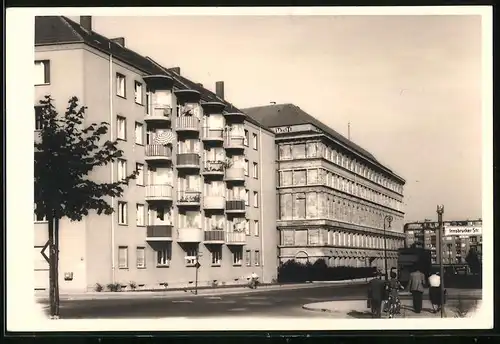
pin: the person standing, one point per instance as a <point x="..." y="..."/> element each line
<point x="416" y="286"/>
<point x="435" y="292"/>
<point x="376" y="290"/>
<point x="394" y="303"/>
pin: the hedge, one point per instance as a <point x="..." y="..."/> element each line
<point x="292" y="271"/>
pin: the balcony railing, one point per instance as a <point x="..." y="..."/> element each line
<point x="188" y="123"/>
<point x="189" y="198"/>
<point x="235" y="174"/>
<point x="213" y="167"/>
<point x="214" y="202"/>
<point x="190" y="233"/>
<point x="212" y="134"/>
<point x="217" y="235"/>
<point x="158" y="152"/>
<point x="159" y="112"/>
<point x="159" y="233"/>
<point x="188" y="160"/>
<point x="235" y="206"/>
<point x="236" y="238"/>
<point x="159" y="192"/>
<point x="234" y="141"/>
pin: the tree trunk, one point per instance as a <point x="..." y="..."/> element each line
<point x="56" y="265"/>
<point x="52" y="270"/>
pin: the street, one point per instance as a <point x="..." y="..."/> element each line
<point x="283" y="303"/>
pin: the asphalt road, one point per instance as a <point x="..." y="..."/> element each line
<point x="270" y="303"/>
<point x="263" y="303"/>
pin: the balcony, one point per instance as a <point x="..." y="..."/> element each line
<point x="235" y="206"/>
<point x="188" y="160"/>
<point x="188" y="123"/>
<point x="212" y="134"/>
<point x="189" y="198"/>
<point x="214" y="202"/>
<point x="216" y="236"/>
<point x="234" y="142"/>
<point x="190" y="234"/>
<point x="159" y="233"/>
<point x="235" y="174"/>
<point x="158" y="153"/>
<point x="159" y="113"/>
<point x="159" y="192"/>
<point x="236" y="238"/>
<point x="213" y="168"/>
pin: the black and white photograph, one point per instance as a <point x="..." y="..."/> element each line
<point x="239" y="169"/>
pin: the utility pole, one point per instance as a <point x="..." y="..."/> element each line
<point x="387" y="218"/>
<point x="196" y="266"/>
<point x="440" y="211"/>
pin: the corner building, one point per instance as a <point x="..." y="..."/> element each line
<point x="200" y="196"/>
<point x="333" y="196"/>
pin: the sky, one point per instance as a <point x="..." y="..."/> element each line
<point x="410" y="86"/>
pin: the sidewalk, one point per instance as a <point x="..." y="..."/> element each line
<point x="358" y="309"/>
<point x="43" y="295"/>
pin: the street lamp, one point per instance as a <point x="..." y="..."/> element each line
<point x="440" y="211"/>
<point x="388" y="219"/>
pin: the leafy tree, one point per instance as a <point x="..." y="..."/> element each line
<point x="473" y="260"/>
<point x="65" y="153"/>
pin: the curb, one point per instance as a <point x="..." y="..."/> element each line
<point x="322" y="310"/>
<point x="201" y="293"/>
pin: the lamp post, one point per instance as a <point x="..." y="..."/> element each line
<point x="440" y="211"/>
<point x="388" y="219"/>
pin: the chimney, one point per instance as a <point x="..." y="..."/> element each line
<point x="176" y="70"/>
<point x="219" y="89"/>
<point x="86" y="22"/>
<point x="119" y="40"/>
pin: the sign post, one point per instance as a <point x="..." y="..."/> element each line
<point x="440" y="211"/>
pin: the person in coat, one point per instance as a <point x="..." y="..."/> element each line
<point x="416" y="285"/>
<point x="376" y="290"/>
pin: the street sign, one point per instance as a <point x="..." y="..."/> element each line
<point x="462" y="230"/>
<point x="43" y="251"/>
<point x="197" y="265"/>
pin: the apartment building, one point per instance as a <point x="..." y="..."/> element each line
<point x="455" y="247"/>
<point x="334" y="198"/>
<point x="200" y="195"/>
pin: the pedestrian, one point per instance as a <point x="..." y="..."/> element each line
<point x="416" y="286"/>
<point x="376" y="290"/>
<point x="394" y="303"/>
<point x="254" y="279"/>
<point x="435" y="292"/>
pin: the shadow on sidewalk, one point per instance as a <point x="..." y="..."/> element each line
<point x="360" y="315"/>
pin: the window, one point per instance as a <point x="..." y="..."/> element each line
<point x="191" y="255"/>
<point x="256" y="228"/>
<point x="216" y="255"/>
<point x="247" y="227"/>
<point x="42" y="72"/>
<point x="138" y="92"/>
<point x="247" y="198"/>
<point x="148" y="102"/>
<point x="245" y="141"/>
<point x="122" y="169"/>
<point x="255" y="170"/>
<point x="141" y="257"/>
<point x="140" y="214"/>
<point x="255" y="199"/>
<point x="140" y="174"/>
<point x="123" y="257"/>
<point x="237" y="255"/>
<point x="120" y="85"/>
<point x="254" y="141"/>
<point x="139" y="133"/>
<point x="39" y="218"/>
<point x="256" y="258"/>
<point x="121" y="128"/>
<point x="38" y="118"/>
<point x="122" y="213"/>
<point x="248" y="257"/>
<point x="163" y="255"/>
<point x="246" y="167"/>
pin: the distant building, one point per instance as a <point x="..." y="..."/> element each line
<point x="333" y="196"/>
<point x="455" y="247"/>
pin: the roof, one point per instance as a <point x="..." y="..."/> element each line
<point x="278" y="115"/>
<point x="62" y="30"/>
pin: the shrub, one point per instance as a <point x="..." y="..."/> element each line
<point x="132" y="285"/>
<point x="292" y="271"/>
<point x="114" y="287"/>
<point x="98" y="287"/>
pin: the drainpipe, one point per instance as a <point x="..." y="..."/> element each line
<point x="261" y="226"/>
<point x="112" y="131"/>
